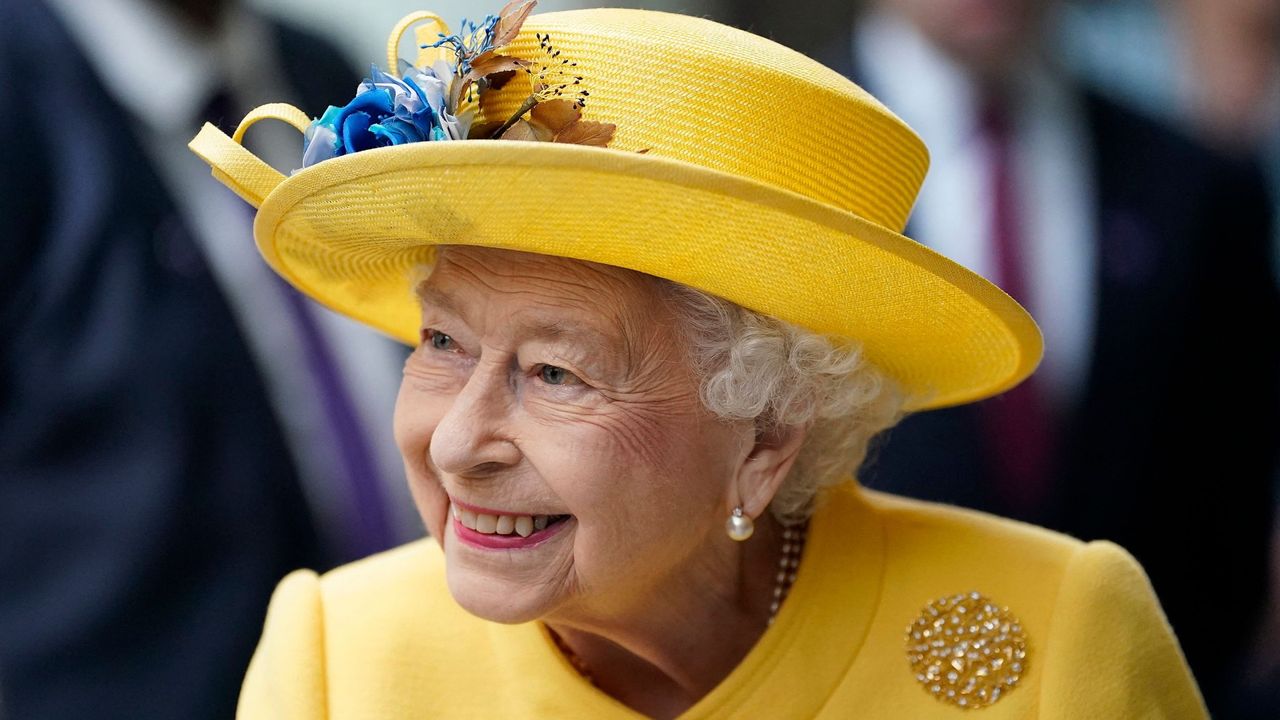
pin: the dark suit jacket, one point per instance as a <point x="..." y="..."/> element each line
<point x="148" y="504"/>
<point x="1171" y="449"/>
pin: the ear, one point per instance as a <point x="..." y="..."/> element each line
<point x="765" y="467"/>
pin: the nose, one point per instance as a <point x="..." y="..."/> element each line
<point x="473" y="437"/>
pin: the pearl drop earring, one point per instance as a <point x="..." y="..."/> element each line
<point x="739" y="526"/>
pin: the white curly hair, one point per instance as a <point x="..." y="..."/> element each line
<point x="756" y="367"/>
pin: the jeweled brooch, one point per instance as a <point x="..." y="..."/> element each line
<point x="966" y="650"/>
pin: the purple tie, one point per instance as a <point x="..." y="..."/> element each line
<point x="1017" y="425"/>
<point x="368" y="529"/>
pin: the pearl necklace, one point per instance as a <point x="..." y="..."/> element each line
<point x="793" y="539"/>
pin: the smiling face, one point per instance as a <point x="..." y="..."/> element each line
<point x="551" y="401"/>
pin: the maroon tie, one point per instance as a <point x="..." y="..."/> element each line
<point x="1017" y="425"/>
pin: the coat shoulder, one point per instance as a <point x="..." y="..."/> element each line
<point x="381" y="622"/>
<point x="908" y="521"/>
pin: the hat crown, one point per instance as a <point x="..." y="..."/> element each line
<point x="694" y="90"/>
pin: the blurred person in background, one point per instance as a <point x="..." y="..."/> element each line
<point x="152" y="490"/>
<point x="1228" y="92"/>
<point x="1231" y="69"/>
<point x="1138" y="249"/>
<point x="1210" y="66"/>
<point x="1213" y="67"/>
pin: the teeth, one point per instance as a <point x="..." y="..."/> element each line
<point x="457" y="512"/>
<point x="506" y="524"/>
<point x="524" y="525"/>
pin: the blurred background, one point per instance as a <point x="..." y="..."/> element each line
<point x="178" y="429"/>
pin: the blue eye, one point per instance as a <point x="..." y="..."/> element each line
<point x="440" y="341"/>
<point x="553" y="375"/>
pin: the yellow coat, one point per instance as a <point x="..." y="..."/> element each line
<point x="382" y="638"/>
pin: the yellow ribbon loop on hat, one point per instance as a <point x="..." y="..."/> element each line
<point x="233" y="165"/>
<point x="283" y="112"/>
<point x="426" y="34"/>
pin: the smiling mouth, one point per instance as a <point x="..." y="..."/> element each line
<point x="488" y="523"/>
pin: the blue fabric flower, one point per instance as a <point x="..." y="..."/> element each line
<point x="423" y="104"/>
<point x="386" y="111"/>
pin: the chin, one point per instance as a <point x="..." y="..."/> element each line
<point x="495" y="599"/>
<point x="510" y="587"/>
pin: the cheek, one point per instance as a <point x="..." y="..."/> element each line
<point x="416" y="415"/>
<point x="645" y="484"/>
<point x="640" y="521"/>
<point x="641" y="430"/>
<point x="426" y="392"/>
<point x="662" y="437"/>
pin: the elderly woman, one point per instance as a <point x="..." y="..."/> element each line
<point x="653" y="272"/>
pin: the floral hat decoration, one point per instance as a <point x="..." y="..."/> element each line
<point x="666" y="144"/>
<point x="437" y="100"/>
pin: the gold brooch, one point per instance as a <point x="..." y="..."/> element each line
<point x="966" y="650"/>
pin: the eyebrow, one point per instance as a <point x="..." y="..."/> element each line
<point x="432" y="296"/>
<point x="573" y="332"/>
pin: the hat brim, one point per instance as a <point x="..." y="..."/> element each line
<point x="350" y="231"/>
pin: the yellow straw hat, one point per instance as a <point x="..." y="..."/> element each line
<point x="738" y="166"/>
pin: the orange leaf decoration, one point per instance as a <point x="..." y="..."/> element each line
<point x="511" y="19"/>
<point x="587" y="132"/>
<point x="555" y="115"/>
<point x="522" y="130"/>
<point x="485" y="64"/>
<point x="488" y="63"/>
